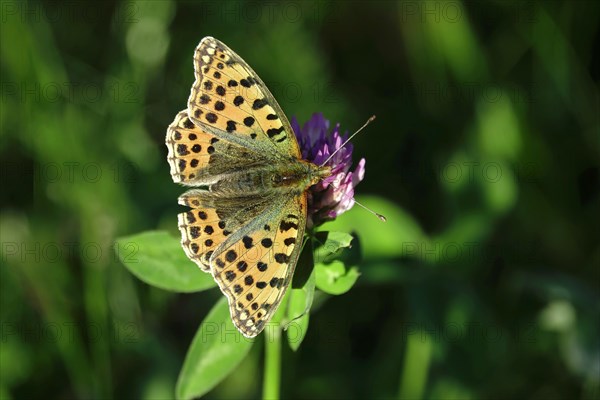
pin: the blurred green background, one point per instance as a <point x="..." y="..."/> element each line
<point x="484" y="282"/>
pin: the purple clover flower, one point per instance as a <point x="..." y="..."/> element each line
<point x="334" y="194"/>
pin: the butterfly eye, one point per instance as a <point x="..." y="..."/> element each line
<point x="276" y="179"/>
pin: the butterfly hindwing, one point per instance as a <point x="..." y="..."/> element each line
<point x="200" y="235"/>
<point x="229" y="99"/>
<point x="255" y="270"/>
<point x="249" y="245"/>
<point x="212" y="220"/>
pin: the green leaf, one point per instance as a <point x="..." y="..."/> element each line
<point x="334" y="278"/>
<point x="298" y="312"/>
<point x="330" y="243"/>
<point x="216" y="350"/>
<point x="157" y="258"/>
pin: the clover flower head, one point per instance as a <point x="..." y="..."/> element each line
<point x="334" y="195"/>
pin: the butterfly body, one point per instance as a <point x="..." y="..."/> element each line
<point x="288" y="178"/>
<point x="248" y="214"/>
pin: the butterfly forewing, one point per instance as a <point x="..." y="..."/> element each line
<point x="199" y="157"/>
<point x="229" y="98"/>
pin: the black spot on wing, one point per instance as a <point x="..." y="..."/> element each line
<point x="248" y="121"/>
<point x="230" y="275"/>
<point x="286" y="226"/>
<point x="247" y="240"/>
<point x="231" y="255"/>
<point x="274" y="131"/>
<point x="190" y="217"/>
<point x="182" y="150"/>
<point x="259" y="103"/>
<point x="262" y="267"/>
<point x="276" y="282"/>
<point x="282" y="258"/>
<point x="230" y="126"/>
<point x="211" y="117"/>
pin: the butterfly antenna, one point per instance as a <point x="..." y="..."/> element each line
<point x="347" y="140"/>
<point x="382" y="218"/>
<point x="371" y="119"/>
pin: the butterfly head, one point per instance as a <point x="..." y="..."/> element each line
<point x="302" y="175"/>
<point x="316" y="173"/>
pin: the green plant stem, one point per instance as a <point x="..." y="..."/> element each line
<point x="272" y="377"/>
<point x="416" y="367"/>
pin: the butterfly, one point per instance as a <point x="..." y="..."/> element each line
<point x="248" y="206"/>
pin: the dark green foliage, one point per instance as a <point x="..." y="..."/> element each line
<point x="484" y="282"/>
